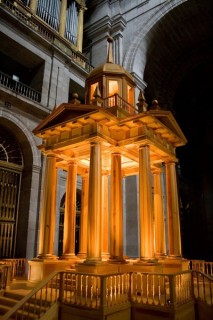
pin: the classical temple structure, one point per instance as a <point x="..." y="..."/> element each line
<point x="92" y="208"/>
<point x="105" y="139"/>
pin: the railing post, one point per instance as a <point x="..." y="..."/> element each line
<point x="103" y="297"/>
<point x="172" y="285"/>
<point x="61" y="287"/>
<point x="130" y="286"/>
<point x="192" y="285"/>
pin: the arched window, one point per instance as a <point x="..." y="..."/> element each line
<point x="11" y="166"/>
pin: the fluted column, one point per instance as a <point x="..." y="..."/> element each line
<point x="145" y="205"/>
<point x="160" y="242"/>
<point x="94" y="205"/>
<point x="80" y="28"/>
<point x="84" y="217"/>
<point x="105" y="217"/>
<point x="70" y="212"/>
<point x="48" y="210"/>
<point x="173" y="210"/>
<point x="62" y="19"/>
<point x="116" y="210"/>
<point x="33" y="6"/>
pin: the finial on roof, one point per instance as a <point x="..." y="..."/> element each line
<point x="109" y="54"/>
<point x="74" y="99"/>
<point x="97" y="101"/>
<point x="155" y="105"/>
<point x="142" y="105"/>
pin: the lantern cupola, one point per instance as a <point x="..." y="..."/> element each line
<point x="115" y="85"/>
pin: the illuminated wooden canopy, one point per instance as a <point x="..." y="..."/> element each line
<point x="68" y="130"/>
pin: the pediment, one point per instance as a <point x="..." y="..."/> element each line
<point x="168" y="120"/>
<point x="64" y="113"/>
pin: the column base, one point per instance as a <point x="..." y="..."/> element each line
<point x="47" y="256"/>
<point x="101" y="267"/>
<point x="69" y="256"/>
<point x="105" y="256"/>
<point x="147" y="260"/>
<point x="82" y="255"/>
<point x="117" y="260"/>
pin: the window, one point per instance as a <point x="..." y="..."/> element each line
<point x="130" y="94"/>
<point x="113" y="87"/>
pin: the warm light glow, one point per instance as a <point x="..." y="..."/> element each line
<point x="92" y="90"/>
<point x="130" y="93"/>
<point x="113" y="87"/>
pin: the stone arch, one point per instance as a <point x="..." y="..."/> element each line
<point x="9" y="120"/>
<point x="144" y="27"/>
<point x="31" y="180"/>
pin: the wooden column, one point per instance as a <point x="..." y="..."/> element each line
<point x="48" y="210"/>
<point x="160" y="240"/>
<point x="105" y="217"/>
<point x="145" y="205"/>
<point x="116" y="210"/>
<point x="173" y="211"/>
<point x="80" y="28"/>
<point x="33" y="6"/>
<point x="84" y="217"/>
<point x="70" y="212"/>
<point x="62" y="19"/>
<point x="94" y="205"/>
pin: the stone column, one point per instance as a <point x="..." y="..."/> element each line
<point x="62" y="19"/>
<point x="160" y="242"/>
<point x="173" y="211"/>
<point x="145" y="205"/>
<point x="94" y="205"/>
<point x="105" y="218"/>
<point x="84" y="217"/>
<point x="80" y="28"/>
<point x="70" y="212"/>
<point x="116" y="210"/>
<point x="33" y="6"/>
<point x="48" y="210"/>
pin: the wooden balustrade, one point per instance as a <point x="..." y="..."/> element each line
<point x="4" y="272"/>
<point x="203" y="287"/>
<point x="202" y="266"/>
<point x="161" y="289"/>
<point x="102" y="292"/>
<point x="117" y="101"/>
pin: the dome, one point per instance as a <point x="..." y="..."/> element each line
<point x="110" y="68"/>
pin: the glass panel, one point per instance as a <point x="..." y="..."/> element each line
<point x="130" y="94"/>
<point x="113" y="87"/>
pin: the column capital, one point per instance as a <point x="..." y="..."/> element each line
<point x="167" y="162"/>
<point x="49" y="154"/>
<point x="143" y="146"/>
<point x="72" y="161"/>
<point x="95" y="141"/>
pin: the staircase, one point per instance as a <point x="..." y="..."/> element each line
<point x="30" y="303"/>
<point x="7" y="301"/>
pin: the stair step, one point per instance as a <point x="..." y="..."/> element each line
<point x="6" y="301"/>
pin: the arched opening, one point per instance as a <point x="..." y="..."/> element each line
<point x="11" y="168"/>
<point x="77" y="224"/>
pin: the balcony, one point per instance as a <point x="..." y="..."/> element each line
<point x="19" y="88"/>
<point x="22" y="14"/>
